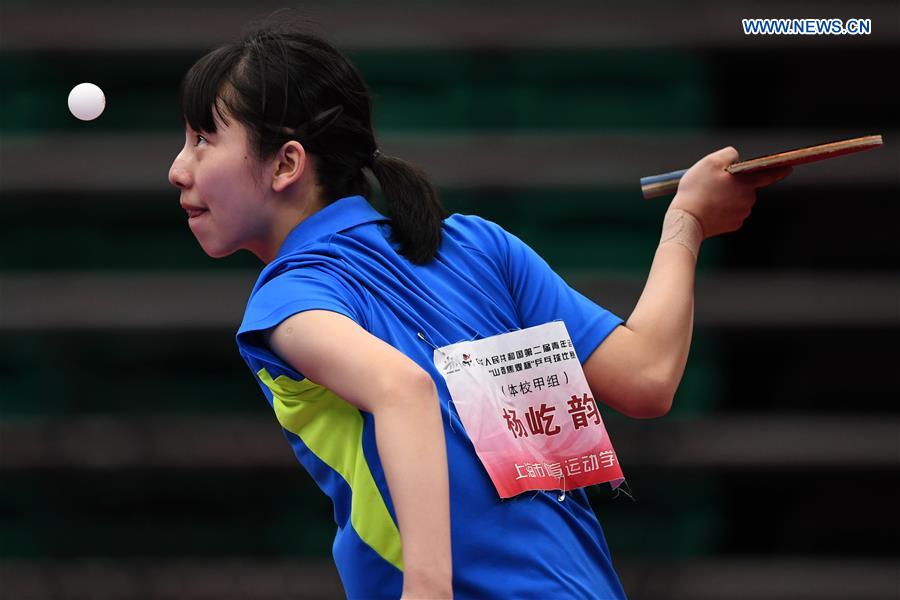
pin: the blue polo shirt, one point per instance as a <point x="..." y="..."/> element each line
<point x="484" y="281"/>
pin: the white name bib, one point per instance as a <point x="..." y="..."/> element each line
<point x="526" y="405"/>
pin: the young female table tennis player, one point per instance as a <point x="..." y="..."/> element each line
<point x="278" y="137"/>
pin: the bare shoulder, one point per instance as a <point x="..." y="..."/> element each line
<point x="336" y="352"/>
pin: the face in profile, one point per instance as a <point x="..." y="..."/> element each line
<point x="221" y="192"/>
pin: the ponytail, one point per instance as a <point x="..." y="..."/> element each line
<point x="413" y="205"/>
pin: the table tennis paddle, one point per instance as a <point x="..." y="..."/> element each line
<point x="667" y="183"/>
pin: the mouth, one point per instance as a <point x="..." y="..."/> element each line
<point x="193" y="211"/>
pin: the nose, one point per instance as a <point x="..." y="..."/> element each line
<point x="179" y="174"/>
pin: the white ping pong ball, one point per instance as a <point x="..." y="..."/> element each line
<point x="86" y="101"/>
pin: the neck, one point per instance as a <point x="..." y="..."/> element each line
<point x="286" y="216"/>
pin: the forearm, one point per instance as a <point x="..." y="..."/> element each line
<point x="663" y="318"/>
<point x="710" y="201"/>
<point x="410" y="438"/>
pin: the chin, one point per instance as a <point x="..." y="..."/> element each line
<point x="221" y="254"/>
<point x="217" y="251"/>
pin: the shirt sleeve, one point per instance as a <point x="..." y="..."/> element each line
<point x="541" y="295"/>
<point x="288" y="293"/>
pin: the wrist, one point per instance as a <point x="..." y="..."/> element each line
<point x="681" y="227"/>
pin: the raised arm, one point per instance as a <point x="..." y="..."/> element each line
<point x="638" y="367"/>
<point x="332" y="350"/>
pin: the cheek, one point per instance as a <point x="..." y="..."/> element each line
<point x="233" y="198"/>
<point x="226" y="187"/>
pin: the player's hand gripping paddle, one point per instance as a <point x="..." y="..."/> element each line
<point x="667" y="183"/>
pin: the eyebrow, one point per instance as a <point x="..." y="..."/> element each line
<point x="207" y="133"/>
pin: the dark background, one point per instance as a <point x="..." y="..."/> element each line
<point x="139" y="459"/>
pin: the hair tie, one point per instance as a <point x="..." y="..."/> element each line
<point x="325" y="120"/>
<point x="314" y="126"/>
<point x="375" y="155"/>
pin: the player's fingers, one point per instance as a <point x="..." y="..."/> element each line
<point x="725" y="156"/>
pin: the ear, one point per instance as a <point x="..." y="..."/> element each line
<point x="290" y="163"/>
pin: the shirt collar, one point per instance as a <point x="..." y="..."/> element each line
<point x="341" y="214"/>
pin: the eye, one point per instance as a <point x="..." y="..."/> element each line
<point x="199" y="138"/>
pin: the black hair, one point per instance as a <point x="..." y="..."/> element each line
<point x="284" y="83"/>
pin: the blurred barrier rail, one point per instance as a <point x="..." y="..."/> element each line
<point x="173" y="26"/>
<point x="452" y="160"/>
<point x="753" y="442"/>
<point x="750" y="578"/>
<point x="128" y="300"/>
